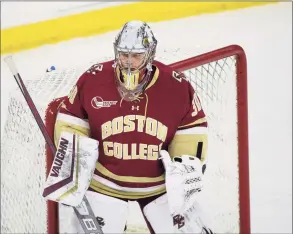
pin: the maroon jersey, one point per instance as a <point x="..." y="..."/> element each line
<point x="131" y="134"/>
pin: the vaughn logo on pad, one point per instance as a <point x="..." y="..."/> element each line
<point x="60" y="155"/>
<point x="72" y="169"/>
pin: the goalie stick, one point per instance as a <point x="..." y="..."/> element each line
<point x="83" y="212"/>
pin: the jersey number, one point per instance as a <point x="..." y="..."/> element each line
<point x="72" y="94"/>
<point x="195" y="102"/>
<point x="196" y="105"/>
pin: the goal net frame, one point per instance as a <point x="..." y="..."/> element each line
<point x="242" y="119"/>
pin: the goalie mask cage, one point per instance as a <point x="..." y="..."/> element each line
<point x="220" y="79"/>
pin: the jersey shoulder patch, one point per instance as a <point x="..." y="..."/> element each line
<point x="179" y="76"/>
<point x="99" y="72"/>
<point x="98" y="67"/>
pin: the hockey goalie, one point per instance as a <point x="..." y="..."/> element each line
<point x="145" y="134"/>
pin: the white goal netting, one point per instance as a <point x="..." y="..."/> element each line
<point x="23" y="159"/>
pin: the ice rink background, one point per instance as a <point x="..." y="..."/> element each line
<point x="265" y="33"/>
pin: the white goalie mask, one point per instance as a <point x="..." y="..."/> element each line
<point x="135" y="48"/>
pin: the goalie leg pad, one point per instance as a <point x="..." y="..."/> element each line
<point x="158" y="214"/>
<point x="110" y="212"/>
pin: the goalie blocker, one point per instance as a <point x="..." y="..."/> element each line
<point x="72" y="169"/>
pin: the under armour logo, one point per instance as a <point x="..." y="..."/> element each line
<point x="178" y="220"/>
<point x="135" y="108"/>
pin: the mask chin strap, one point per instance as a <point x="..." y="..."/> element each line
<point x="134" y="94"/>
<point x="130" y="80"/>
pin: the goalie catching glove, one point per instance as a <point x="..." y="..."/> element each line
<point x="72" y="169"/>
<point x="183" y="181"/>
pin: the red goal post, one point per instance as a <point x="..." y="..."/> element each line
<point x="242" y="117"/>
<point x="242" y="127"/>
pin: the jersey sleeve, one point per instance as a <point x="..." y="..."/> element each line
<point x="72" y="116"/>
<point x="191" y="137"/>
